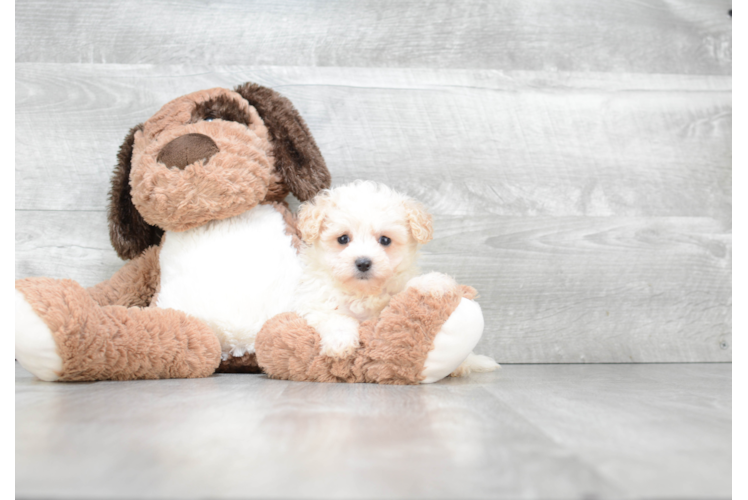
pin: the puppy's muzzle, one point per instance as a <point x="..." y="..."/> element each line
<point x="187" y="149"/>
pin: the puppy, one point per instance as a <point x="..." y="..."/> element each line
<point x="361" y="246"/>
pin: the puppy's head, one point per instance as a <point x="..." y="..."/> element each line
<point x="363" y="234"/>
<point x="206" y="156"/>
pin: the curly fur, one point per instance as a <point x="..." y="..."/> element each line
<point x="334" y="294"/>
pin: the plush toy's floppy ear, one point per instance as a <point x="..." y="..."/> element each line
<point x="297" y="156"/>
<point x="420" y="222"/>
<point x="128" y="232"/>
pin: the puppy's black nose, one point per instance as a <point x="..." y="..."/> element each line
<point x="363" y="264"/>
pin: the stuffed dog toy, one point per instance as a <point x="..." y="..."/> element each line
<point x="197" y="207"/>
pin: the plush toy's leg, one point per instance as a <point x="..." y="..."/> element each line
<point x="422" y="336"/>
<point x="425" y="333"/>
<point x="63" y="334"/>
<point x="288" y="348"/>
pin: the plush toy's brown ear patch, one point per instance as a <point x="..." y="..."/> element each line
<point x="297" y="157"/>
<point x="220" y="106"/>
<point x="128" y="232"/>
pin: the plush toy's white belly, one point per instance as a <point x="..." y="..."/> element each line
<point x="233" y="274"/>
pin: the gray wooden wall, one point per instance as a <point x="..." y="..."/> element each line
<point x="576" y="155"/>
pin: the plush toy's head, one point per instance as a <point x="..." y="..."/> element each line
<point x="207" y="156"/>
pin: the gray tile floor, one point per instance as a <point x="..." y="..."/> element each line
<point x="527" y="431"/>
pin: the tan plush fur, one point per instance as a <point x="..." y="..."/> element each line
<point x="231" y="182"/>
<point x="135" y="284"/>
<point x="393" y="347"/>
<point x="120" y="343"/>
<point x="180" y="111"/>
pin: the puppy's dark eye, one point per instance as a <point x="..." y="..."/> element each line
<point x="343" y="240"/>
<point x="384" y="241"/>
<point x="209" y="119"/>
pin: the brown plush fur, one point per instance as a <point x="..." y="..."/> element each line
<point x="222" y="106"/>
<point x="187" y="149"/>
<point x="297" y="157"/>
<point x="134" y="285"/>
<point x="128" y="232"/>
<point x="242" y="364"/>
<point x="393" y="347"/>
<point x="120" y="343"/>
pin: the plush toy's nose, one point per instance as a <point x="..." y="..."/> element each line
<point x="187" y="149"/>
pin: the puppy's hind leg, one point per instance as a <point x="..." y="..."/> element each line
<point x="475" y="363"/>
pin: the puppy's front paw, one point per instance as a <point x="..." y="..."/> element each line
<point x="339" y="337"/>
<point x="436" y="284"/>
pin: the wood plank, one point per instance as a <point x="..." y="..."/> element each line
<point x="594" y="289"/>
<point x="60" y="244"/>
<point x="574" y="35"/>
<point x="622" y="417"/>
<point x="553" y="289"/>
<point x="466" y="142"/>
<point x="533" y="432"/>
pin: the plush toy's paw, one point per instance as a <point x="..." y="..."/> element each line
<point x="436" y="284"/>
<point x="475" y="363"/>
<point x="338" y="336"/>
<point x="456" y="339"/>
<point x="36" y="349"/>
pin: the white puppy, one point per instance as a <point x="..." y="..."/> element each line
<point x="361" y="245"/>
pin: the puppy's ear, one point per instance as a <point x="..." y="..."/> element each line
<point x="128" y="232"/>
<point x="312" y="216"/>
<point x="420" y="222"/>
<point x="297" y="157"/>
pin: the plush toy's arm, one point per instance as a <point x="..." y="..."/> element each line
<point x="135" y="284"/>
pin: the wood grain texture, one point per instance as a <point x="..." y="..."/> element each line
<point x="65" y="244"/>
<point x="528" y="431"/>
<point x="594" y="289"/>
<point x="466" y="142"/>
<point x="581" y="183"/>
<point x="552" y="289"/>
<point x="663" y="36"/>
